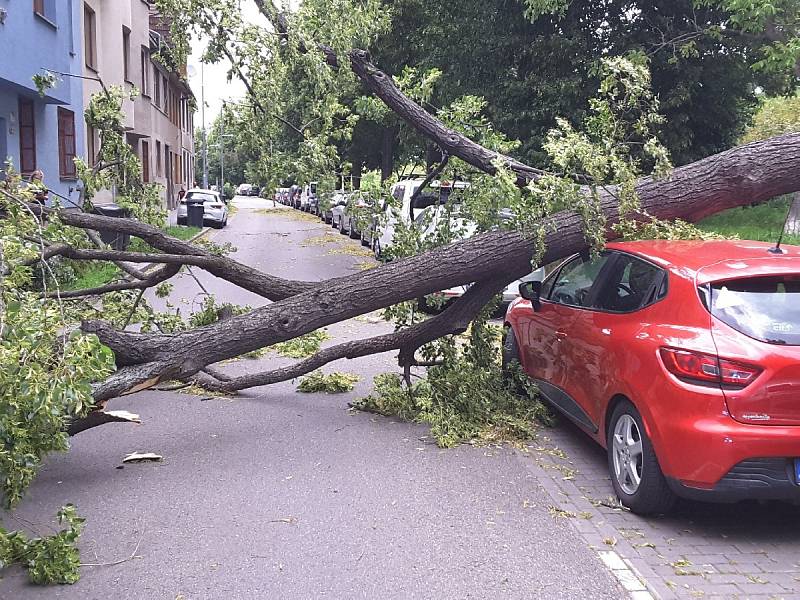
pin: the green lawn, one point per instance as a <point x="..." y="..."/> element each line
<point x="94" y="274"/>
<point x="181" y="231"/>
<point x="91" y="275"/>
<point x="762" y="223"/>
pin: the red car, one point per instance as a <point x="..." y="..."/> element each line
<point x="682" y="358"/>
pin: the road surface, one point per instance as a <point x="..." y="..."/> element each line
<point x="277" y="494"/>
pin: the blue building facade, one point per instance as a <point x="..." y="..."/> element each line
<point x="42" y="133"/>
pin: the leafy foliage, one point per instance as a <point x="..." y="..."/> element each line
<point x="303" y="346"/>
<point x="467" y="397"/>
<point x="330" y="383"/>
<point x="48" y="559"/>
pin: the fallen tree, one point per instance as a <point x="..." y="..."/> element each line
<point x="743" y="175"/>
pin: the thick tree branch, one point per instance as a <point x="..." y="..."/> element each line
<point x="449" y="141"/>
<point x="244" y="276"/>
<point x="155" y="277"/>
<point x="454" y="319"/>
<point x="746" y="174"/>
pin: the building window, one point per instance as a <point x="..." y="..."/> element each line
<point x="156" y="86"/>
<point x="145" y="72"/>
<point x="146" y="162"/>
<point x="46" y="9"/>
<point x="90" y="37"/>
<point x="91" y="146"/>
<point x="66" y="144"/>
<point x="27" y="137"/>
<point x="158" y="159"/>
<point x="126" y="53"/>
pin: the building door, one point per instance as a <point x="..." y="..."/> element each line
<point x="27" y="137"/>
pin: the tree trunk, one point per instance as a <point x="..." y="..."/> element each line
<point x="388" y="142"/>
<point x="757" y="171"/>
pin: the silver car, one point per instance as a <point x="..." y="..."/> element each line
<point x="215" y="211"/>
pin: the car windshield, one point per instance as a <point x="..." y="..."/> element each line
<point x="204" y="196"/>
<point x="764" y="308"/>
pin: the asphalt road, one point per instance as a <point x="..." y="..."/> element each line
<point x="277" y="494"/>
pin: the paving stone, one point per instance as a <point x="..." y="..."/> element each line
<point x="730" y="547"/>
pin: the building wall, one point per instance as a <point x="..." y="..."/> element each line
<point x="28" y="43"/>
<point x="146" y="120"/>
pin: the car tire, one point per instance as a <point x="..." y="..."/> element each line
<point x="333" y="222"/>
<point x="631" y="457"/>
<point x="510" y="350"/>
<point x="376" y="248"/>
<point x="341" y="226"/>
<point x="364" y="242"/>
<point x="354" y="235"/>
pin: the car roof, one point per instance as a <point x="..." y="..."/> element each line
<point x="201" y="190"/>
<point x="717" y="259"/>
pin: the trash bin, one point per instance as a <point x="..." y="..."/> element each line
<point x="115" y="239"/>
<point x="194" y="212"/>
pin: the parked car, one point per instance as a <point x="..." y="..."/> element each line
<point x="215" y="210"/>
<point x="430" y="218"/>
<point x="383" y="229"/>
<point x="244" y="189"/>
<point x="255" y="191"/>
<point x="357" y="212"/>
<point x="337" y="205"/>
<point x="682" y="358"/>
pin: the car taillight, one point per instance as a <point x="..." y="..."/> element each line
<point x="688" y="364"/>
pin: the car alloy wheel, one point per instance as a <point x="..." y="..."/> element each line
<point x="627" y="454"/>
<point x="632" y="463"/>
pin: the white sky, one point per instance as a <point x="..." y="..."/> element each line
<point x="216" y="85"/>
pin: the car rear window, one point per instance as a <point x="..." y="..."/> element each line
<point x="201" y="196"/>
<point x="765" y="308"/>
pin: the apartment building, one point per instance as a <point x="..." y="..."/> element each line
<point x="120" y="41"/>
<point x="41" y="133"/>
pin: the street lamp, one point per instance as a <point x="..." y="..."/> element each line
<point x="221" y="147"/>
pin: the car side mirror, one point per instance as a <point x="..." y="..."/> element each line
<point x="532" y="290"/>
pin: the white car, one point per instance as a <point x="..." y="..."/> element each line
<point x="338" y="203"/>
<point x="244" y="189"/>
<point x="431" y="218"/>
<point x="402" y="192"/>
<point x="215" y="211"/>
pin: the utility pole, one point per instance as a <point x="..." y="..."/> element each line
<point x="205" y="135"/>
<point x="222" y="150"/>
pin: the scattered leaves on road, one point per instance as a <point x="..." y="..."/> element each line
<point x="332" y="383"/>
<point x="303" y="346"/>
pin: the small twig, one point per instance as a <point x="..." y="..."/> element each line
<point x="133" y="308"/>
<point x="120" y="561"/>
<point x="189" y="270"/>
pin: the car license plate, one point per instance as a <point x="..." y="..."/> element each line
<point x="797" y="471"/>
